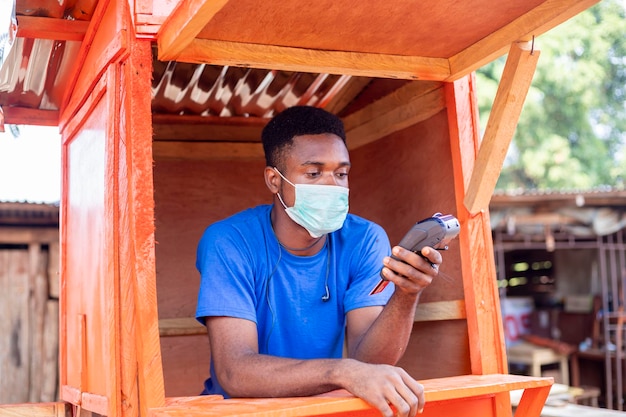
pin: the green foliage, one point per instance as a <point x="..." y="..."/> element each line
<point x="572" y="130"/>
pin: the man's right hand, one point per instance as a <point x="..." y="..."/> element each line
<point x="383" y="387"/>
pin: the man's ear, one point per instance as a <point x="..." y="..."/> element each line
<point x="272" y="179"/>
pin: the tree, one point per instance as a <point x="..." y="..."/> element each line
<point x="572" y="130"/>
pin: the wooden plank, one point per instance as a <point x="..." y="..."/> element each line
<point x="537" y="21"/>
<point x="25" y="116"/>
<point x="397" y="112"/>
<point x="14" y="326"/>
<point x="433" y="311"/>
<point x="312" y="60"/>
<point x="208" y="128"/>
<point x="441" y="310"/>
<point x="50" y="28"/>
<point x="452" y="393"/>
<point x="37" y="309"/>
<point x="184" y="24"/>
<point x="50" y="366"/>
<point x="125" y="332"/>
<point x="102" y="36"/>
<point x="53" y="269"/>
<point x="183" y="326"/>
<point x="139" y="202"/>
<point x="484" y="321"/>
<point x="56" y="409"/>
<point x="206" y="151"/>
<point x="508" y="103"/>
<point x="26" y="235"/>
<point x="390" y="102"/>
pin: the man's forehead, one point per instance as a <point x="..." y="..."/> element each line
<point x="318" y="150"/>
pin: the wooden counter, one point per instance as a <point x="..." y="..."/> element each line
<point x="476" y="395"/>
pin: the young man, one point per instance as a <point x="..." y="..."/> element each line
<point x="282" y="284"/>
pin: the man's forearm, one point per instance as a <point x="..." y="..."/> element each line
<point x="387" y="338"/>
<point x="270" y="376"/>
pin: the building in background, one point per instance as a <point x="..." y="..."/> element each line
<point x="29" y="302"/>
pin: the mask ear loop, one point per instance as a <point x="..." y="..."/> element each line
<point x="281" y="201"/>
<point x="278" y="194"/>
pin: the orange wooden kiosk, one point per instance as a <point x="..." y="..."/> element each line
<point x="144" y="172"/>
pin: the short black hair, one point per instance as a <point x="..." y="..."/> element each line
<point x="295" y="121"/>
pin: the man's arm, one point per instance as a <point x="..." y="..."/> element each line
<point x="381" y="335"/>
<point x="243" y="372"/>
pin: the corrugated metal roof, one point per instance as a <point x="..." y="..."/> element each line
<point x="599" y="196"/>
<point x="28" y="214"/>
<point x="37" y="72"/>
<point x="207" y="90"/>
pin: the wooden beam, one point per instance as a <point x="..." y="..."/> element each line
<point x="27" y="116"/>
<point x="348" y="93"/>
<point x="542" y="18"/>
<point x="50" y="28"/>
<point x="402" y="108"/>
<point x="208" y="128"/>
<point x="206" y="150"/>
<point x="27" y="235"/>
<point x="182" y="326"/>
<point x="484" y="322"/>
<point x="516" y="79"/>
<point x="441" y="310"/>
<point x="184" y="24"/>
<point x="202" y="51"/>
<point x="433" y="311"/>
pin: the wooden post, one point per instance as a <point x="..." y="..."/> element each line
<point x="507" y="106"/>
<point x="484" y="322"/>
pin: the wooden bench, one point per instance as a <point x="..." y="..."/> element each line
<point x="469" y="395"/>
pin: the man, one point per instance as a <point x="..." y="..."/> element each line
<point x="282" y="284"/>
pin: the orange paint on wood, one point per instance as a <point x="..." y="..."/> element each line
<point x="108" y="231"/>
<point x="486" y="339"/>
<point x="481" y="395"/>
<point x="137" y="128"/>
<point x="55" y="29"/>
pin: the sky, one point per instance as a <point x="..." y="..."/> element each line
<point x="30" y="165"/>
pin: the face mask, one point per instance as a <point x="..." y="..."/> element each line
<point x="320" y="209"/>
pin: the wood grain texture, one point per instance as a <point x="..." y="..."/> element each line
<point x="183" y="24"/>
<point x="46" y="409"/>
<point x="141" y="205"/>
<point x="364" y="64"/>
<point x="464" y="394"/>
<point x="486" y="338"/>
<point x="15" y="325"/>
<point x="507" y="106"/>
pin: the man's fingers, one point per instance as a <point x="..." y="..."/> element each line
<point x="406" y="402"/>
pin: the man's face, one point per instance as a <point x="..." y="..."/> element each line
<point x="315" y="159"/>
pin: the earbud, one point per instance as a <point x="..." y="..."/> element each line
<point x="326" y="296"/>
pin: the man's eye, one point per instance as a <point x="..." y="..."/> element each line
<point x="342" y="174"/>
<point x="313" y="174"/>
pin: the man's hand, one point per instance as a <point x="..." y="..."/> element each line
<point x="411" y="273"/>
<point x="384" y="387"/>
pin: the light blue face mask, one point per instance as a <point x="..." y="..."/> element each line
<point x="320" y="209"/>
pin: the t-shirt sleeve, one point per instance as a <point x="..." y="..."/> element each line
<point x="365" y="270"/>
<point x="226" y="275"/>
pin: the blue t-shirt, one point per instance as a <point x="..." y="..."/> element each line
<point x="245" y="273"/>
